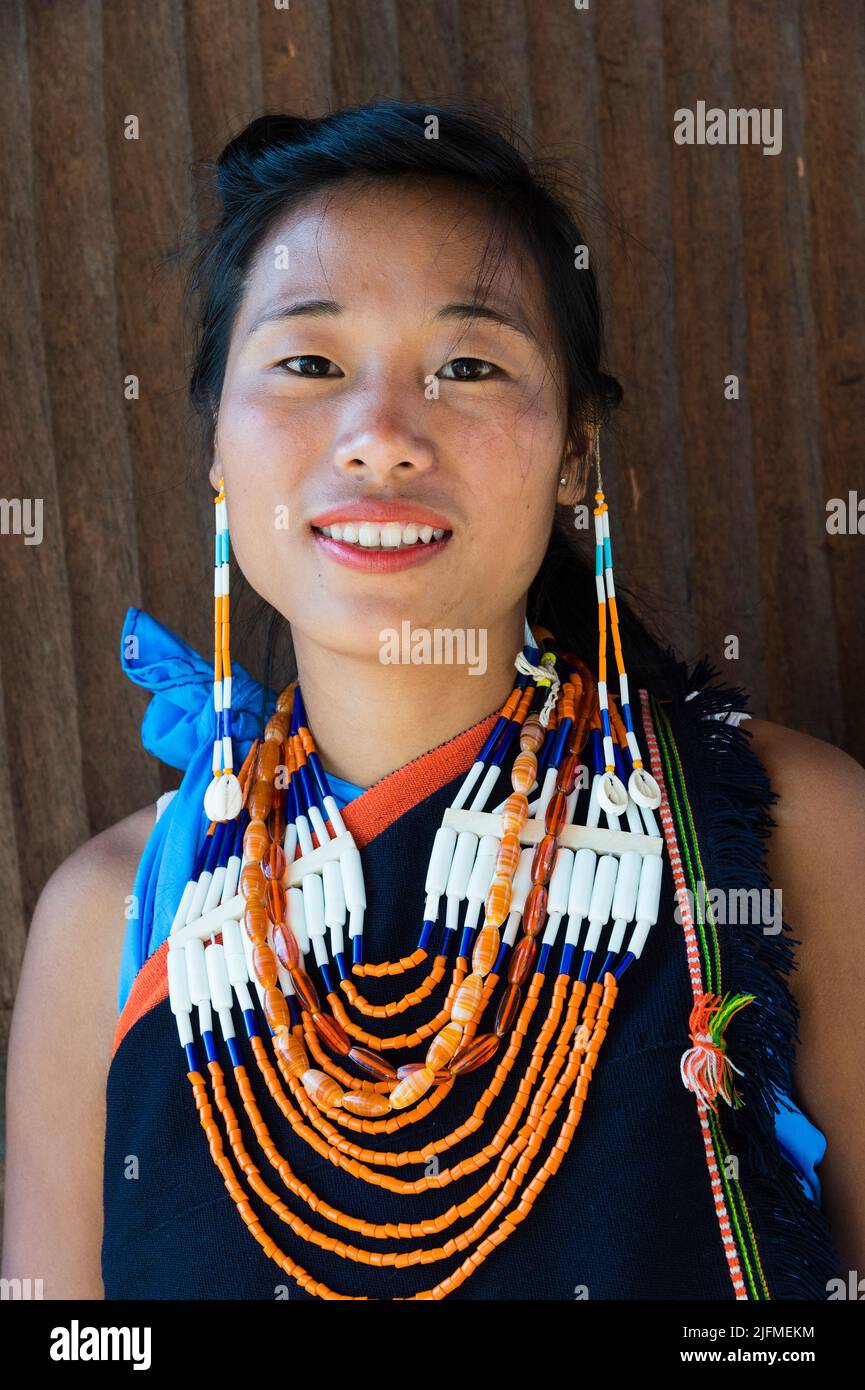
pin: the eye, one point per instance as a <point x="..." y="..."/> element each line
<point x="319" y="366"/>
<point x="460" y="363"/>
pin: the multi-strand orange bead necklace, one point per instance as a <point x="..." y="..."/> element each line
<point x="267" y="910"/>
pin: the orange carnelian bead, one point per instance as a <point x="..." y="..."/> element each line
<point x="567" y="775"/>
<point x="443" y="1046"/>
<point x="322" y="1088"/>
<point x="255" y="923"/>
<point x="411" y="1088"/>
<point x="522" y="960"/>
<point x="486" y="950"/>
<point x="332" y="1033"/>
<point x="474" y="1054"/>
<point x="269" y="755"/>
<point x="260" y="801"/>
<point x="285" y="945"/>
<point x="542" y="862"/>
<point x="307" y="994"/>
<point x="285" y="700"/>
<point x="276" y="1009"/>
<point x="264" y="965"/>
<point x="369" y="1103"/>
<point x="507" y="1011"/>
<point x="557" y="809"/>
<point x="256" y="841"/>
<point x="524" y="772"/>
<point x="535" y="910"/>
<point x="274" y="900"/>
<point x="274" y="864"/>
<point x="276" y="729"/>
<point x="467" y="999"/>
<point x="498" y="901"/>
<point x="532" y="735"/>
<point x="515" y="812"/>
<point x="253" y="884"/>
<point x="292" y="1050"/>
<point x="372" y="1064"/>
<point x="508" y="855"/>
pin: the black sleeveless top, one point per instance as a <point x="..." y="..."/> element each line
<point x="657" y="1198"/>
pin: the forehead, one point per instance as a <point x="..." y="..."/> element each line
<point x="394" y="242"/>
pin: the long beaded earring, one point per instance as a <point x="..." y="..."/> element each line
<point x="224" y="796"/>
<point x="643" y="788"/>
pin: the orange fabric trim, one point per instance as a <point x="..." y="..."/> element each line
<point x="149" y="988"/>
<point x="365" y="817"/>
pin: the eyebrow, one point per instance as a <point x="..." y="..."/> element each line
<point x="313" y="308"/>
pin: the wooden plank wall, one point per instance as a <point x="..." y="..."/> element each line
<point x="715" y="260"/>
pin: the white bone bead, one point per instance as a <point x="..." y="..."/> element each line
<point x="313" y="906"/>
<point x="522" y="879"/>
<point x="217" y="979"/>
<point x="181" y="916"/>
<point x="547" y="790"/>
<point x="352" y="878"/>
<point x="334" y="898"/>
<point x="627" y="883"/>
<point x="582" y="881"/>
<point x="649" y="895"/>
<point x="484" y="868"/>
<point x="196" y="970"/>
<point x="333" y="815"/>
<point x="604" y="886"/>
<point x="560" y="881"/>
<point x="318" y="825"/>
<point x="178" y="983"/>
<point x="482" y="795"/>
<point x="178" y="994"/>
<point x="593" y="814"/>
<point x="214" y="892"/>
<point x="235" y="960"/>
<point x="440" y="860"/>
<point x="303" y="835"/>
<point x="461" y="867"/>
<point x="232" y="874"/>
<point x="471" y="778"/>
<point x="198" y="897"/>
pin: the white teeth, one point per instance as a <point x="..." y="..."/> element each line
<point x="391" y="533"/>
<point x="388" y="535"/>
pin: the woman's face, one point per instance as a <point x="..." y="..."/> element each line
<point x="358" y="393"/>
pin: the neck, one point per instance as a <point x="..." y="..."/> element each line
<point x="370" y="718"/>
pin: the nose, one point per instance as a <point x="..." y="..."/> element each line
<point x="383" y="442"/>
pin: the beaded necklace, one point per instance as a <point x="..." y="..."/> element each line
<point x="279" y="881"/>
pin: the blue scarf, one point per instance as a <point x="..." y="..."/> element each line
<point x="179" y="726"/>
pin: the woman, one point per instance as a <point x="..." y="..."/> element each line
<point x="398" y="373"/>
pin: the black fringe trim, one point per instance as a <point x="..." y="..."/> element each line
<point x="731" y="795"/>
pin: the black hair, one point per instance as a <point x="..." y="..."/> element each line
<point x="278" y="161"/>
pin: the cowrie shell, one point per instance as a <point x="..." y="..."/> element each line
<point x="612" y="794"/>
<point x="644" y="789"/>
<point x="223" y="798"/>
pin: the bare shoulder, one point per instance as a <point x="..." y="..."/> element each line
<point x="807" y="773"/>
<point x="59" y="1054"/>
<point x="815" y="857"/>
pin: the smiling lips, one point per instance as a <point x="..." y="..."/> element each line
<point x="378" y="538"/>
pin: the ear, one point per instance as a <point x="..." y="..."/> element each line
<point x="575" y="469"/>
<point x="215" y="473"/>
